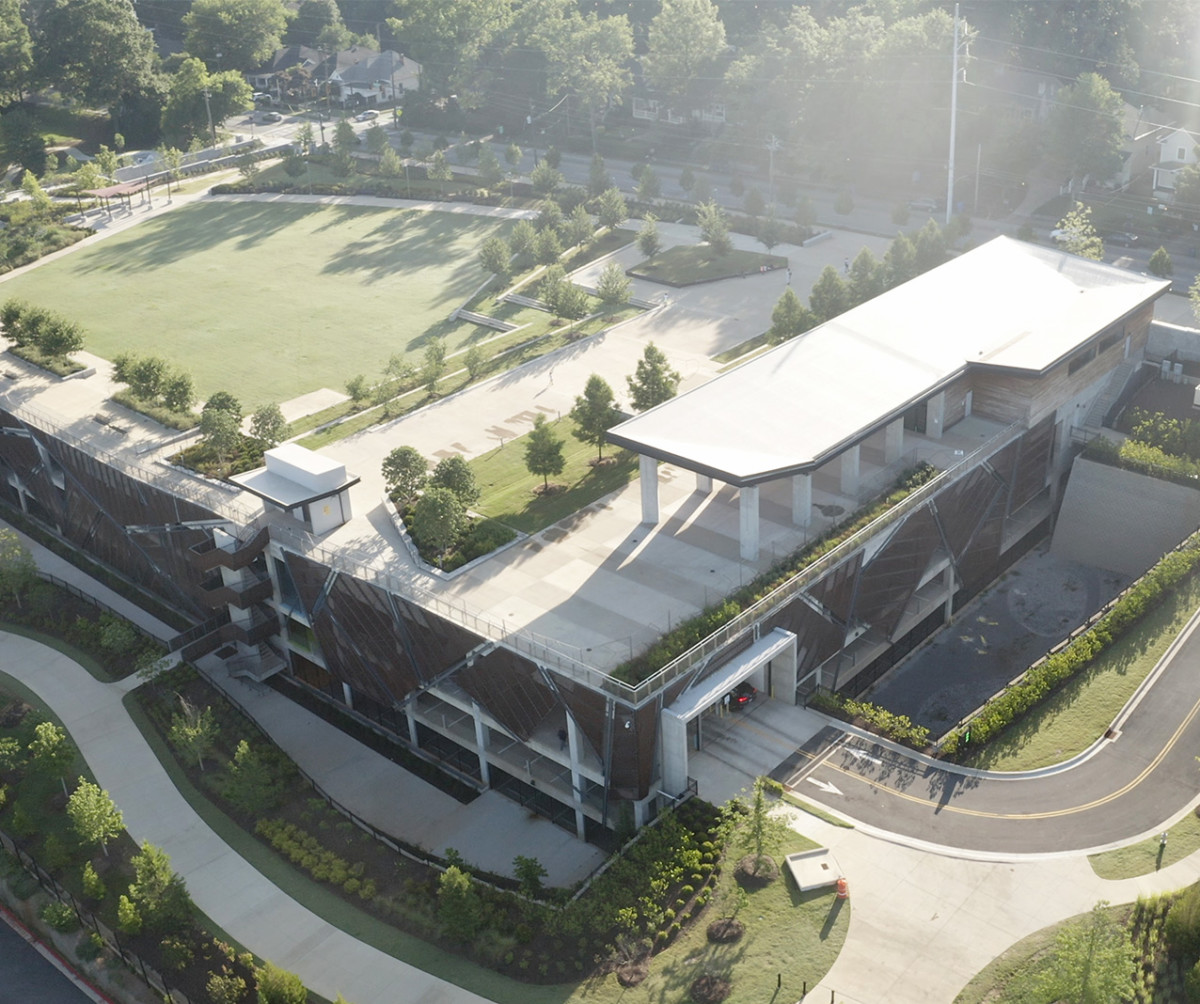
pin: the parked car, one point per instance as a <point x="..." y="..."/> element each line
<point x="1121" y="239"/>
<point x="925" y="205"/>
<point x="366" y="116"/>
<point x="262" y="98"/>
<point x="271" y="117"/>
<point x="742" y="696"/>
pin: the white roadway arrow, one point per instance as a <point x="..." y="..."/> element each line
<point x="825" y="786"/>
<point x="864" y="755"/>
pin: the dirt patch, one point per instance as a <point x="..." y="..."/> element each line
<point x="710" y="989"/>
<point x="748" y="874"/>
<point x="726" y="930"/>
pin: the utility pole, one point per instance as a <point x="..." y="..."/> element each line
<point x="773" y="146"/>
<point x="953" y="122"/>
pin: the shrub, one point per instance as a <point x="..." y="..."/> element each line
<point x="278" y="986"/>
<point x="59" y="916"/>
<point x="93" y="885"/>
<point x="90" y="946"/>
<point x="1182" y="926"/>
<point x="177" y="953"/>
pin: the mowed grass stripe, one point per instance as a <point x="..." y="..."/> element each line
<point x="270" y="301"/>
<point x="508" y="489"/>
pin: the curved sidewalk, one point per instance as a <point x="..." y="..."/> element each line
<point x="236" y="896"/>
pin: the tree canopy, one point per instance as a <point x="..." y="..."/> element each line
<point x="653" y="381"/>
<point x="234" y="34"/>
<point x="1086" y="134"/>
<point x="544" y="451"/>
<point x="684" y="37"/>
<point x="595" y="412"/>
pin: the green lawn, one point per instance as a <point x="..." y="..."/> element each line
<point x="1078" y="715"/>
<point x="271" y="301"/>
<point x="509" y="489"/>
<point x="683" y="266"/>
<point x="1149" y="856"/>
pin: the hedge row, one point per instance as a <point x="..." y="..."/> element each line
<point x="1041" y="680"/>
<point x="324" y="865"/>
<point x="879" y="720"/>
<point x="1143" y="458"/>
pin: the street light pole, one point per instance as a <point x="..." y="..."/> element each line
<point x="773" y="146"/>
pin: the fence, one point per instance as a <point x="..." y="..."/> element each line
<point x="136" y="964"/>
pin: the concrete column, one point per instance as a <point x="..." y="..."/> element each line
<point x="951" y="587"/>
<point x="935" y="413"/>
<point x="411" y="716"/>
<point x="347" y="695"/>
<point x="783" y="674"/>
<point x="748" y="521"/>
<point x="849" y="472"/>
<point x="893" y="441"/>
<point x="802" y="499"/>
<point x="648" y="470"/>
<point x="703" y="484"/>
<point x="672" y="738"/>
<point x="481" y="743"/>
<point x="577" y="781"/>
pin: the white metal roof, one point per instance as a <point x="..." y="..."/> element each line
<point x="1006" y="304"/>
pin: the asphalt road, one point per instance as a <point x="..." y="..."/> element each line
<point x="27" y="978"/>
<point x="1129" y="785"/>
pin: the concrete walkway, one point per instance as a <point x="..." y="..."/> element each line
<point x="223" y="885"/>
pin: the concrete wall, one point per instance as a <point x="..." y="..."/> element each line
<point x="1166" y="339"/>
<point x="1122" y="521"/>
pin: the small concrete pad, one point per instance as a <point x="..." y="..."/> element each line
<point x="813" y="869"/>
<point x="311" y="403"/>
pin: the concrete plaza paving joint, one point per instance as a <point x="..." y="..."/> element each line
<point x="925" y="919"/>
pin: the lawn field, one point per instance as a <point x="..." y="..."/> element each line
<point x="270" y="301"/>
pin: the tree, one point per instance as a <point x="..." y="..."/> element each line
<point x="488" y="167"/>
<point x="588" y="56"/>
<point x="455" y="475"/>
<point x="404" y="472"/>
<point x="529" y="873"/>
<point x="570" y="302"/>
<point x="653" y="381"/>
<point x="512" y="156"/>
<point x="649" y="187"/>
<point x="438" y="519"/>
<point x="160" y="895"/>
<point x="39" y="201"/>
<point x="318" y="24"/>
<point x="221" y="429"/>
<point x="18" y="570"/>
<point x="522" y="237"/>
<point x="250" y="785"/>
<point x="1187" y="189"/>
<point x="390" y="164"/>
<point x="268" y="425"/>
<point x="613" y="285"/>
<point x="377" y="140"/>
<point x="789" y="318"/>
<point x="544" y="451"/>
<point x="683" y="38"/>
<point x="714" y="227"/>
<point x="547" y="248"/>
<point x="829" y="296"/>
<point x="16" y="51"/>
<point x="900" y="261"/>
<point x="197" y="97"/>
<point x="52" y="751"/>
<point x="1086" y="131"/>
<point x="475" y="360"/>
<point x="439" y="168"/>
<point x="550" y="216"/>
<point x="95" y="51"/>
<point x="1194" y="296"/>
<point x="763" y="831"/>
<point x="1076" y="233"/>
<point x="451" y="42"/>
<point x="868" y="277"/>
<point x="193" y="732"/>
<point x="930" y="246"/>
<point x="21" y="140"/>
<point x="248" y="166"/>
<point x="1161" y="264"/>
<point x="612" y="210"/>
<point x="754" y="203"/>
<point x="496" y="257"/>
<point x="594" y="413"/>
<point x="234" y="34"/>
<point x="433" y="364"/>
<point x="92" y="812"/>
<point x="598" y="179"/>
<point x="647" y="237"/>
<point x="277" y="986"/>
<point x="459" y="907"/>
<point x="578" y="228"/>
<point x="545" y="179"/>
<point x="1093" y="961"/>
<point x="770" y="231"/>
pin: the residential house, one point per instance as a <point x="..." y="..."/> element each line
<point x="1176" y="150"/>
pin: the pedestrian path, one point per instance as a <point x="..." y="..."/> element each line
<point x="237" y="897"/>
